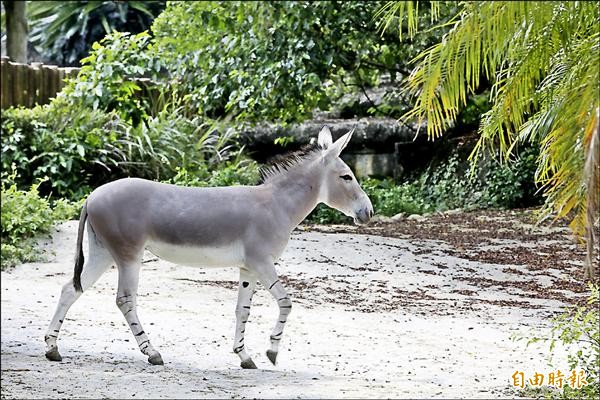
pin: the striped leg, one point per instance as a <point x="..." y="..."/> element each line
<point x="127" y="302"/>
<point x="98" y="261"/>
<point x="242" y="312"/>
<point x="268" y="278"/>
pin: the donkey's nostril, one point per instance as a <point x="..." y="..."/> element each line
<point x="370" y="213"/>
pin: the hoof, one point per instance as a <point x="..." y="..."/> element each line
<point x="53" y="354"/>
<point x="248" y="364"/>
<point x="156" y="359"/>
<point x="272" y="356"/>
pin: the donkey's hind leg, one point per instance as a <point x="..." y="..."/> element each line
<point x="129" y="274"/>
<point x="97" y="262"/>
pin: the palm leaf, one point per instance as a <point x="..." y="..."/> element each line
<point x="542" y="58"/>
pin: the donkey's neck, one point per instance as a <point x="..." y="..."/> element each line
<point x="298" y="193"/>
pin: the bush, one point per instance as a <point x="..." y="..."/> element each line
<point x="311" y="52"/>
<point x="73" y="147"/>
<point x="24" y="215"/>
<point x="579" y="328"/>
<point x="451" y="185"/>
<point x="323" y="214"/>
<point x="231" y="173"/>
<point x="106" y="79"/>
<point x="390" y="198"/>
<point x="78" y="148"/>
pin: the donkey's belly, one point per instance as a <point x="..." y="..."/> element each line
<point x="231" y="255"/>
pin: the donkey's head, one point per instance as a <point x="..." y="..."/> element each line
<point x="339" y="188"/>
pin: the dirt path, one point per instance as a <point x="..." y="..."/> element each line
<point x="374" y="316"/>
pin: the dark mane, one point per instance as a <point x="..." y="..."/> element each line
<point x="279" y="164"/>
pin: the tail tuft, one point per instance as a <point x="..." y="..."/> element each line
<point x="78" y="269"/>
<point x="79" y="259"/>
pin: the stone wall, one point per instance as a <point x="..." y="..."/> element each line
<point x="380" y="146"/>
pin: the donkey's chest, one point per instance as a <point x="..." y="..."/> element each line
<point x="229" y="255"/>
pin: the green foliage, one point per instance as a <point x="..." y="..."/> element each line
<point x="542" y="60"/>
<point x="224" y="51"/>
<point x="253" y="61"/>
<point x="277" y="60"/>
<point x="231" y="173"/>
<point x="578" y="328"/>
<point x="24" y="215"/>
<point x="68" y="145"/>
<point x="511" y="185"/>
<point x="493" y="185"/>
<point x="78" y="148"/>
<point x="171" y="140"/>
<point x="390" y="199"/>
<point x="106" y="79"/>
<point x="64" y="31"/>
<point x="284" y="141"/>
<point x="323" y="214"/>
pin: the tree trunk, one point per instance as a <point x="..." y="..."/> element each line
<point x="16" y="30"/>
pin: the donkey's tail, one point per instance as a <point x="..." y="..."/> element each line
<point x="79" y="259"/>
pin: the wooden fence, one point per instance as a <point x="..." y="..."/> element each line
<point x="31" y="84"/>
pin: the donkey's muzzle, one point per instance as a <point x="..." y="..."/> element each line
<point x="363" y="216"/>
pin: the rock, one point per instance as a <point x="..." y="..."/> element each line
<point x="398" y="216"/>
<point x="453" y="212"/>
<point x="381" y="218"/>
<point x="415" y="217"/>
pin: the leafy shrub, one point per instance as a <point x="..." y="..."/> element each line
<point x="170" y="140"/>
<point x="323" y="214"/>
<point x="579" y="328"/>
<point x="78" y="148"/>
<point x="389" y="198"/>
<point x="24" y="215"/>
<point x="511" y="185"/>
<point x="451" y="185"/>
<point x="279" y="60"/>
<point x="230" y="173"/>
<point x="73" y="147"/>
<point x="106" y="79"/>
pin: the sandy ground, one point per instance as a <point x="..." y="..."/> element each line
<point x="374" y="317"/>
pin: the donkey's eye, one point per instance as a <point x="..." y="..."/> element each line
<point x="346" y="177"/>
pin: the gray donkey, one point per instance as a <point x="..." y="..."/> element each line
<point x="244" y="226"/>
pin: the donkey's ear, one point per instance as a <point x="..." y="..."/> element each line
<point x="340" y="144"/>
<point x="325" y="140"/>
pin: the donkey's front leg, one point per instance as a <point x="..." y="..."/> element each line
<point x="267" y="275"/>
<point x="242" y="312"/>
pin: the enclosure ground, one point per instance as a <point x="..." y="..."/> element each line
<point x="418" y="308"/>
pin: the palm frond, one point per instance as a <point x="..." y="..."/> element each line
<point x="542" y="58"/>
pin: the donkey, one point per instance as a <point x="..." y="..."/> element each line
<point x="243" y="226"/>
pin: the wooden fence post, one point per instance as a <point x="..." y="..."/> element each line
<point x="6" y="89"/>
<point x="36" y="80"/>
<point x="19" y="82"/>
